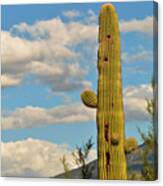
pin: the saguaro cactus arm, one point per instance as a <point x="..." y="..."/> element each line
<point x="130" y="144"/>
<point x="89" y="98"/>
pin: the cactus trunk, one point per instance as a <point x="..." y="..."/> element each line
<point x="110" y="116"/>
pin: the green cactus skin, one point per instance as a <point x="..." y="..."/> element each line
<point x="110" y="115"/>
<point x="89" y="98"/>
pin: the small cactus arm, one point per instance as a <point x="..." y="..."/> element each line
<point x="89" y="98"/>
<point x="110" y="115"/>
<point x="131" y="144"/>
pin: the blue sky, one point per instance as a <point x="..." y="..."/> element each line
<point x="137" y="67"/>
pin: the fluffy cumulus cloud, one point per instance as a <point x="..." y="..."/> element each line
<point x="50" y="46"/>
<point x="138" y="25"/>
<point x="135" y="102"/>
<point x="36" y="158"/>
<point x="48" y="53"/>
<point x="29" y="116"/>
<point x="9" y="80"/>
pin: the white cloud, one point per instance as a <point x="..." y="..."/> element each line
<point x="137" y="57"/>
<point x="35" y="158"/>
<point x="51" y="48"/>
<point x="57" y="31"/>
<point x="138" y="25"/>
<point x="29" y="116"/>
<point x="53" y="43"/>
<point x="7" y="81"/>
<point x="60" y="77"/>
<point x="71" y="14"/>
<point x="20" y="59"/>
<point x="135" y="102"/>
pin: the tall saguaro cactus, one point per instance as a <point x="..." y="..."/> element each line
<point x="109" y="104"/>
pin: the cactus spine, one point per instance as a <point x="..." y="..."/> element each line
<point x="110" y="115"/>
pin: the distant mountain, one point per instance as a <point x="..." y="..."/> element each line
<point x="134" y="162"/>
